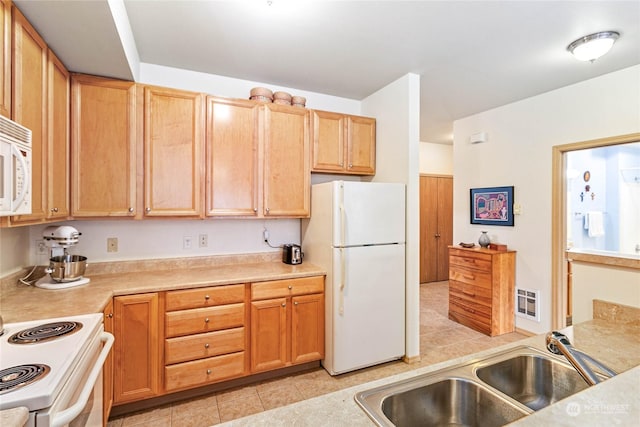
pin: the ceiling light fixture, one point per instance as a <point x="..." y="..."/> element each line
<point x="593" y="46"/>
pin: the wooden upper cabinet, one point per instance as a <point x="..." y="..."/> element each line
<point x="29" y="106"/>
<point x="328" y="141"/>
<point x="287" y="176"/>
<point x="232" y="143"/>
<point x="103" y="147"/>
<point x="343" y="144"/>
<point x="58" y="139"/>
<point x="361" y="145"/>
<point x="173" y="145"/>
<point x="5" y="58"/>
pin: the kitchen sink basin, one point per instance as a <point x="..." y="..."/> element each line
<point x="436" y="400"/>
<point x="492" y="391"/>
<point x="535" y="380"/>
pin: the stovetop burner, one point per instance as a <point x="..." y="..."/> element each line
<point x="48" y="331"/>
<point x="20" y="376"/>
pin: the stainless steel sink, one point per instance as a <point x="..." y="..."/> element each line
<point x="535" y="380"/>
<point x="493" y="391"/>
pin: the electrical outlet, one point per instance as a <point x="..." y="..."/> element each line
<point x="112" y="244"/>
<point x="187" y="242"/>
<point x="203" y="240"/>
<point x="265" y="235"/>
<point x="41" y="248"/>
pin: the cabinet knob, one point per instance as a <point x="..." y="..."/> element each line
<point x="206" y="345"/>
<point x="350" y="165"/>
<point x="295" y="303"/>
<point x="130" y="210"/>
<point x="147" y="210"/>
<point x="437" y="235"/>
<point x="208" y="371"/>
<point x="290" y="287"/>
<point x="267" y="210"/>
<point x="255" y="209"/>
<point x="110" y="315"/>
<point x="54" y="210"/>
<point x="206" y="320"/>
<point x="284" y="304"/>
<point x="207" y="297"/>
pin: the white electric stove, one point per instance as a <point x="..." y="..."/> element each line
<point x="52" y="367"/>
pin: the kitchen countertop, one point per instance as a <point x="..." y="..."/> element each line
<point x="14" y="417"/>
<point x="19" y="302"/>
<point x="612" y="402"/>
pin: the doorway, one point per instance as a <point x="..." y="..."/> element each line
<point x="436" y="226"/>
<point x="560" y="262"/>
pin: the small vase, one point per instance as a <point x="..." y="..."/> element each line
<point x="484" y="240"/>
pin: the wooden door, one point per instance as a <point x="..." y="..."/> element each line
<point x="436" y="227"/>
<point x="58" y="139"/>
<point x="173" y="143"/>
<point x="103" y="147"/>
<point x="269" y="344"/>
<point x="287" y="175"/>
<point x="361" y="145"/>
<point x="29" y="102"/>
<point x="307" y="328"/>
<point x="137" y="347"/>
<point x="107" y="373"/>
<point x="232" y="157"/>
<point x="328" y="131"/>
<point x="5" y="58"/>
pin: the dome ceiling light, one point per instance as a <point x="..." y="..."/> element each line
<point x="593" y="46"/>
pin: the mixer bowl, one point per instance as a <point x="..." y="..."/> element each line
<point x="67" y="268"/>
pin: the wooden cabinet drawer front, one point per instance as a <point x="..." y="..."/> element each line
<point x="204" y="297"/>
<point x="199" y="320"/>
<point x="204" y="371"/>
<point x="476" y="323"/>
<point x="470" y="277"/>
<point x="471" y="262"/>
<point x="477" y="311"/>
<point x="284" y="288"/>
<point x="200" y="346"/>
<point x="470" y="293"/>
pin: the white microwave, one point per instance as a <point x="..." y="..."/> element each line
<point x="15" y="168"/>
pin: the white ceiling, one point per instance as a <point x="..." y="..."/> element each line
<point x="471" y="55"/>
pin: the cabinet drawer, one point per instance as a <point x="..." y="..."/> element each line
<point x="284" y="288"/>
<point x="198" y="320"/>
<point x="200" y="346"/>
<point x="470" y="277"/>
<point x="471" y="293"/>
<point x="469" y="308"/>
<point x="204" y="371"/>
<point x="204" y="297"/>
<point x="473" y="322"/>
<point x="475" y="262"/>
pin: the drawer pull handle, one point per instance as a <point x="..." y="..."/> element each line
<point x="207" y="297"/>
<point x="284" y="304"/>
<point x="208" y="371"/>
<point x="290" y="287"/>
<point x="206" y="320"/>
<point x="471" y="294"/>
<point x="469" y="277"/>
<point x="206" y="345"/>
<point x="470" y="310"/>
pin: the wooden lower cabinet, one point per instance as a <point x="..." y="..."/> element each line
<point x="287" y="325"/>
<point x="137" y="349"/>
<point x="107" y="372"/>
<point x="481" y="289"/>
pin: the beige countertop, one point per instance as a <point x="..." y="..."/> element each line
<point x="19" y="302"/>
<point x="14" y="417"/>
<point x="612" y="402"/>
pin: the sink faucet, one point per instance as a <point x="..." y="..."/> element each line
<point x="558" y="343"/>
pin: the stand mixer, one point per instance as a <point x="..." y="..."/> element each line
<point x="64" y="271"/>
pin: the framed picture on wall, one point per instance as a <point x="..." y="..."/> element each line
<point x="492" y="206"/>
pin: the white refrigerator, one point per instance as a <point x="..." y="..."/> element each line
<point x="357" y="234"/>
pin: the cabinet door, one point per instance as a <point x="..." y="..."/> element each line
<point x="445" y="225"/>
<point x="58" y="141"/>
<point x="286" y="161"/>
<point x="107" y="373"/>
<point x="232" y="157"/>
<point x="30" y="105"/>
<point x="5" y="58"/>
<point x="173" y="141"/>
<point x="137" y="347"/>
<point x="328" y="131"/>
<point x="436" y="227"/>
<point x="268" y="334"/>
<point x="361" y="145"/>
<point x="307" y="328"/>
<point x="103" y="147"/>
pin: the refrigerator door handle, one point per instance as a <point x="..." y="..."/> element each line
<point x="342" y="282"/>
<point x="342" y="230"/>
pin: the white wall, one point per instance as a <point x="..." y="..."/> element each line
<point x="518" y="152"/>
<point x="436" y="159"/>
<point x="14" y="249"/>
<point x="396" y="108"/>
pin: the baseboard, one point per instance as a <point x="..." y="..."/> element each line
<point x="525" y="332"/>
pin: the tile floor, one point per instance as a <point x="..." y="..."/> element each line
<point x="435" y="346"/>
